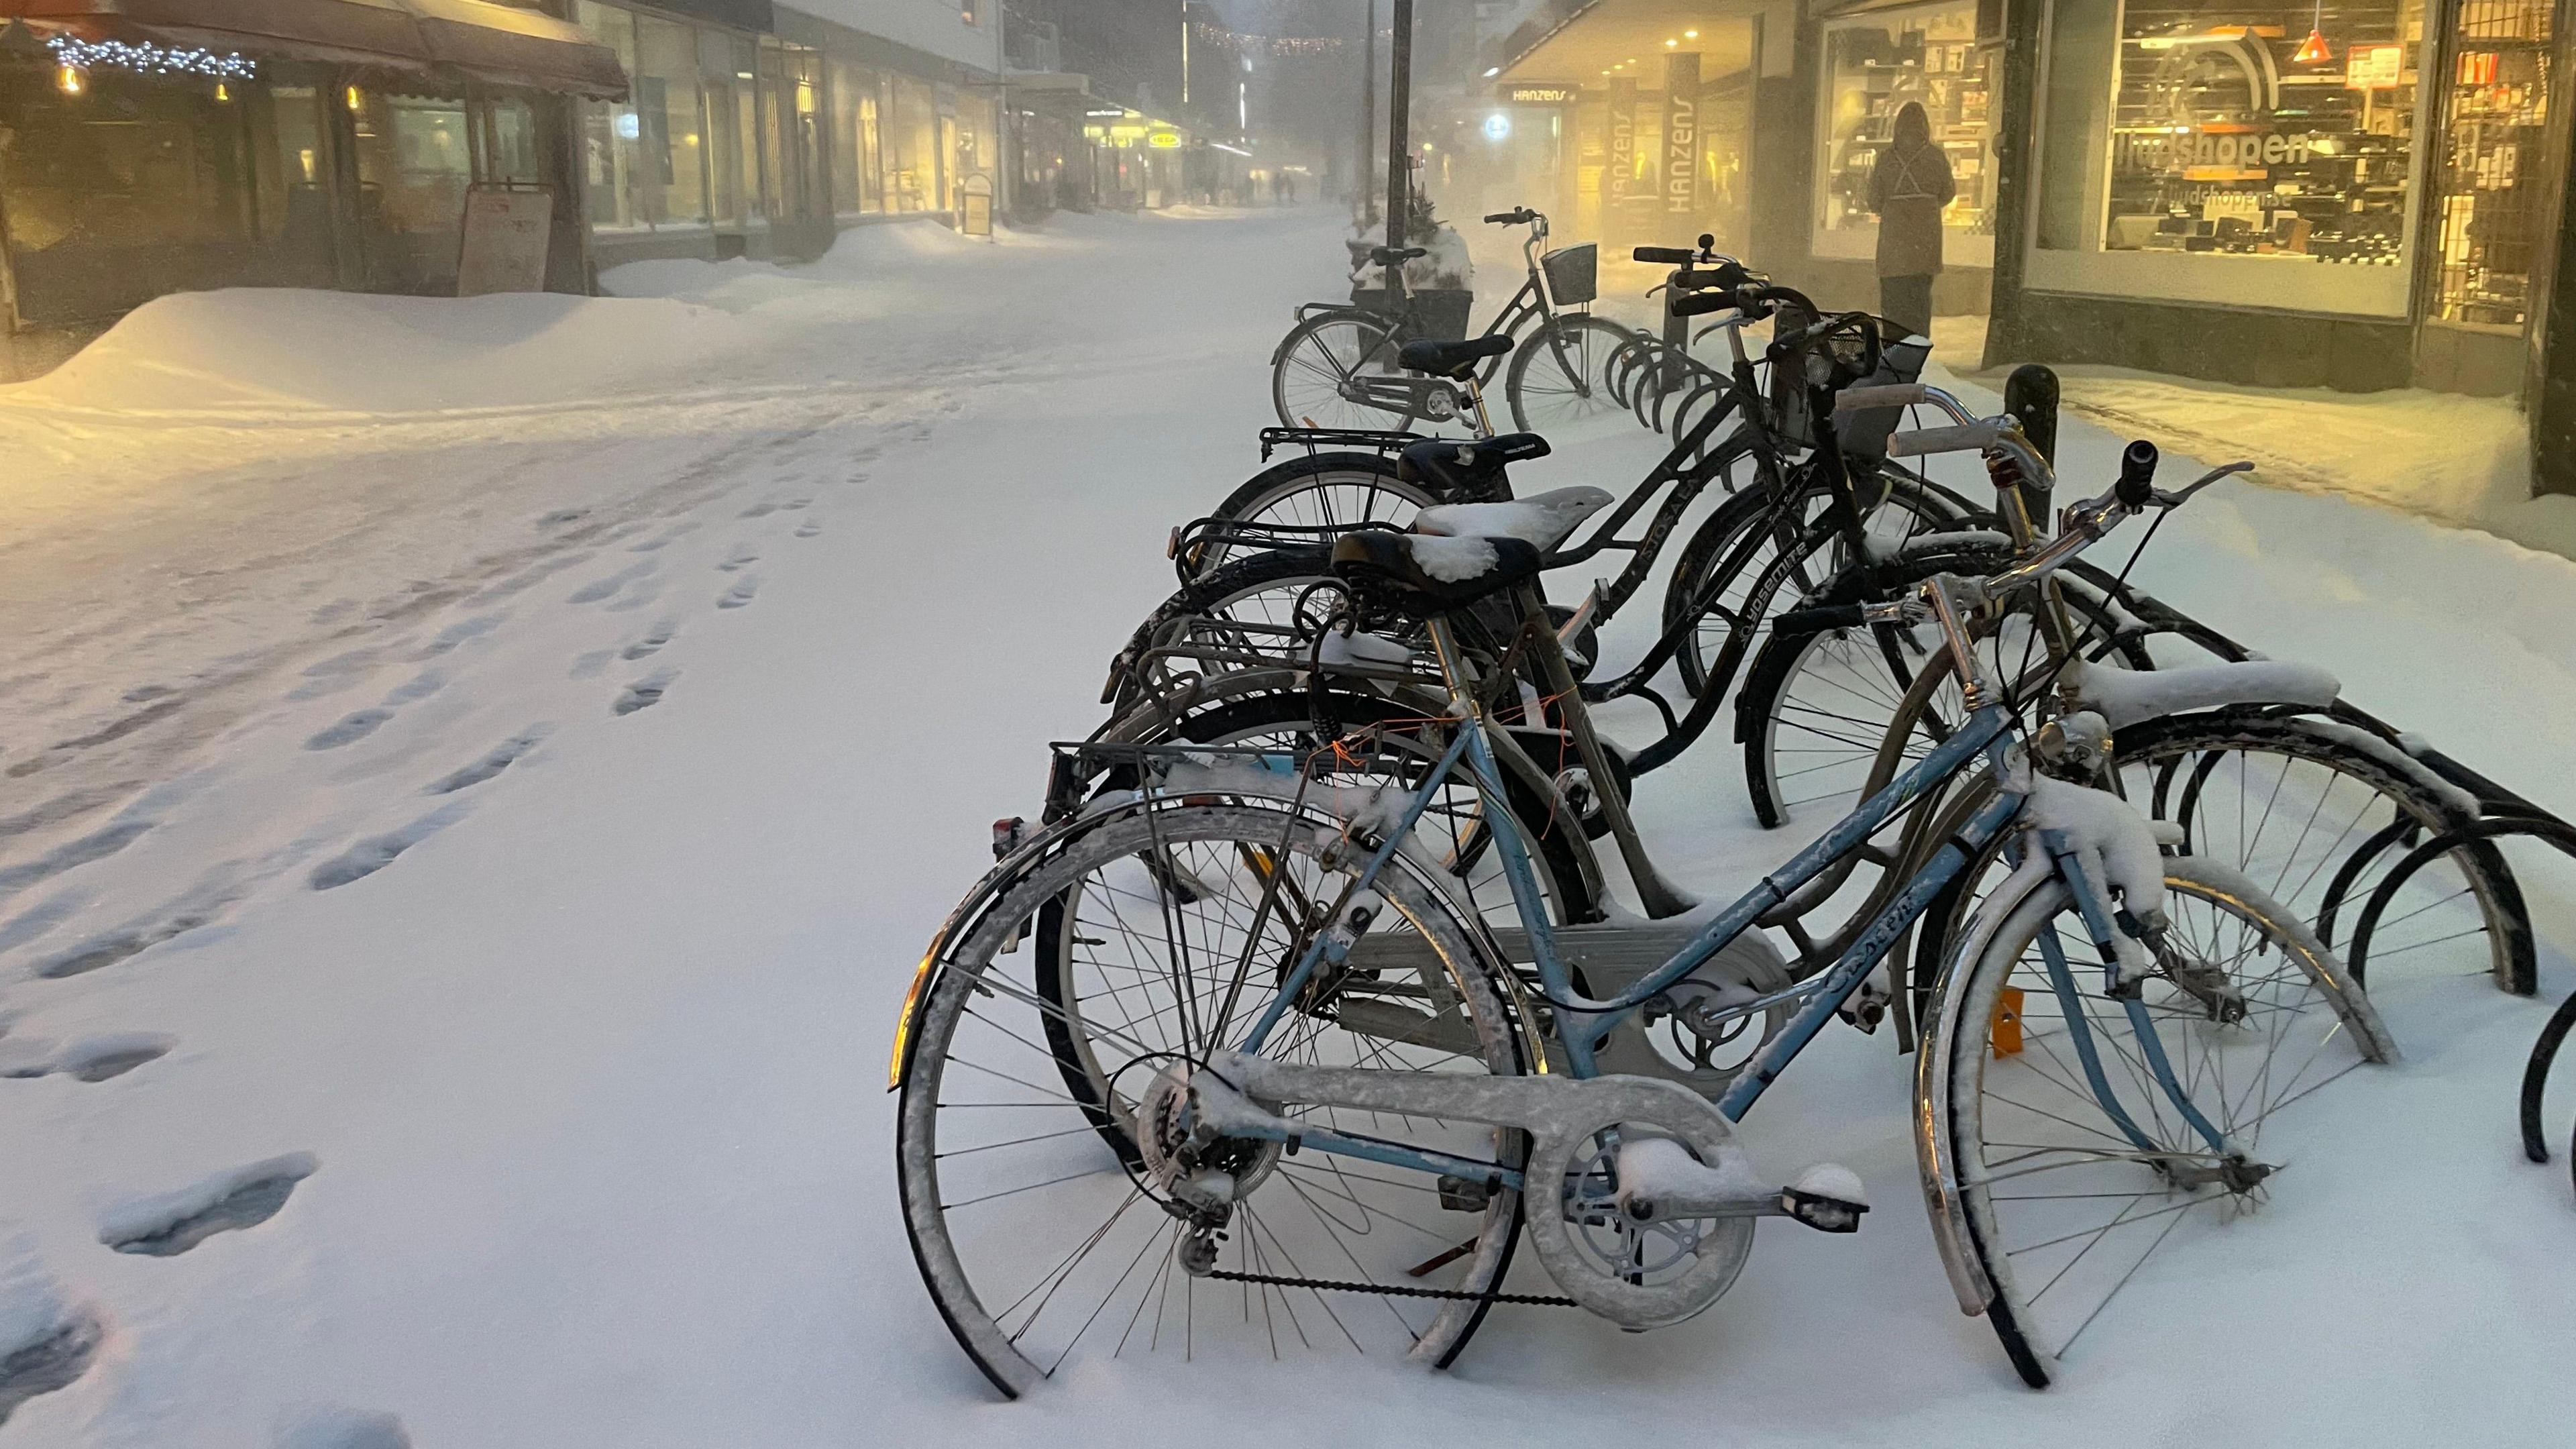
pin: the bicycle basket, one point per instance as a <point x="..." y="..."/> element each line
<point x="1832" y="361"/>
<point x="1864" y="434"/>
<point x="1439" y="313"/>
<point x="1573" y="274"/>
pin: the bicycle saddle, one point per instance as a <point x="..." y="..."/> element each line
<point x="1467" y="469"/>
<point x="1452" y="360"/>
<point x="1431" y="575"/>
<point x="1542" y="520"/>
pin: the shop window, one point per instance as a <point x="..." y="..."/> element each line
<point x="858" y="165"/>
<point x="645" y="156"/>
<point x="914" y="178"/>
<point x="731" y="86"/>
<point x="135" y="187"/>
<point x="513" y="141"/>
<point x="2494" y="136"/>
<point x="2217" y="152"/>
<point x="671" y="144"/>
<point x="1873" y="66"/>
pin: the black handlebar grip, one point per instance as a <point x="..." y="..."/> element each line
<point x="1817" y="620"/>
<point x="1668" y="256"/>
<point x="2137" y="474"/>
<point x="1510" y="218"/>
<point x="1694" y="303"/>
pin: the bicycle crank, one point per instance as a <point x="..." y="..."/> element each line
<point x="1641" y="1202"/>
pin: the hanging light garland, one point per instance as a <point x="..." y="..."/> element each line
<point x="145" y="58"/>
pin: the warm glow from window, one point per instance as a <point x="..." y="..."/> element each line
<point x="71" y="80"/>
<point x="356" y="101"/>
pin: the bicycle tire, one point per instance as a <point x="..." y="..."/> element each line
<point x="1980" y="1037"/>
<point x="1536" y="372"/>
<point x="976" y="1004"/>
<point x="1301" y="492"/>
<point x="1304" y="351"/>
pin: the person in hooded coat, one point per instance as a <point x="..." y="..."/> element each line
<point x="1908" y="188"/>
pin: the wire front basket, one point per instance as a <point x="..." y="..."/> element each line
<point x="1573" y="274"/>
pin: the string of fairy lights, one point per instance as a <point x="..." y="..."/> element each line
<point x="145" y="58"/>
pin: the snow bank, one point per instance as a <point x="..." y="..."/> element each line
<point x="279" y="348"/>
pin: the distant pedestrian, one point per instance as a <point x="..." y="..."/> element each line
<point x="1288" y="179"/>
<point x="1908" y="188"/>
<point x="1278" y="188"/>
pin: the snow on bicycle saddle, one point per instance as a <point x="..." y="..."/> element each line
<point x="1431" y="574"/>
<point x="1542" y="520"/>
<point x="1452" y="360"/>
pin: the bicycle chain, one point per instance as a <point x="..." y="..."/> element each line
<point x="1535" y="1300"/>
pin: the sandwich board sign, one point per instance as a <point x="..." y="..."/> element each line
<point x="975" y="206"/>
<point x="507" y="229"/>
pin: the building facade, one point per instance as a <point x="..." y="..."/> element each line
<point x="2358" y="195"/>
<point x="151" y="146"/>
<point x="762" y="130"/>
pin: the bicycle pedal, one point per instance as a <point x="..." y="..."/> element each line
<point x="1827" y="1197"/>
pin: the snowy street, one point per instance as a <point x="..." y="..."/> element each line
<point x="468" y="780"/>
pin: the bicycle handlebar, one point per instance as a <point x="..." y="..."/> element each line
<point x="2137" y="485"/>
<point x="1514" y="217"/>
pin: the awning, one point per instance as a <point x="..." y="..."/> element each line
<point x="474" y="39"/>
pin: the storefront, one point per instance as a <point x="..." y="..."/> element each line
<point x="1871" y="60"/>
<point x="765" y="142"/>
<point x="1630" y="124"/>
<point x="2357" y="196"/>
<point x="152" y="146"/>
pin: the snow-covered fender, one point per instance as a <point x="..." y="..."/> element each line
<point x="2124" y="697"/>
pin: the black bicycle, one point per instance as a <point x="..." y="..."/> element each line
<point x="1339" y="367"/>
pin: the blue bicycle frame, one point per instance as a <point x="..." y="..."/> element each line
<point x="1582" y="1023"/>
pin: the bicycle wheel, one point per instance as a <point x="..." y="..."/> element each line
<point x="2075" y="1168"/>
<point x="2317" y="813"/>
<point x="1816" y="709"/>
<point x="1558" y="379"/>
<point x="1747" y="532"/>
<point x="1043" y="1202"/>
<point x="1323" y="358"/>
<point x="1321" y="490"/>
<point x="1248" y="606"/>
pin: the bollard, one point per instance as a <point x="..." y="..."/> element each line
<point x="2030" y="395"/>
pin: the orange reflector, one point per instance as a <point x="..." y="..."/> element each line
<point x="911" y="1003"/>
<point x="2005" y="1032"/>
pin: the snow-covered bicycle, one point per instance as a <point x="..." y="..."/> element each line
<point x="1277" y="1089"/>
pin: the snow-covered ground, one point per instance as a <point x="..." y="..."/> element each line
<point x="475" y="779"/>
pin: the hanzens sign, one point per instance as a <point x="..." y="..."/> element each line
<point x="1541" y="95"/>
<point x="507" y="231"/>
<point x="1681" y="135"/>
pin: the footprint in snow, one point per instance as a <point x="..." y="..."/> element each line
<point x="115" y="946"/>
<point x="644" y="693"/>
<point x="740" y="594"/>
<point x="91" y="1059"/>
<point x="809" y="528"/>
<point x="171" y="1223"/>
<point x="500" y="757"/>
<point x="589" y="665"/>
<point x="337" y="1426"/>
<point x="652" y="642"/>
<point x="601" y="588"/>
<point x="562" y="516"/>
<point x="46" y="1342"/>
<point x="351" y="729"/>
<point x="374" y="853"/>
<point x="146" y="693"/>
<point x="458" y="633"/>
<point x="743" y="557"/>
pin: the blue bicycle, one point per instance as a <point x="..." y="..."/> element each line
<point x="1225" y="1065"/>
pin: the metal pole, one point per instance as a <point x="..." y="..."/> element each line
<point x="1364" y="184"/>
<point x="1399" y="141"/>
